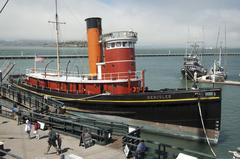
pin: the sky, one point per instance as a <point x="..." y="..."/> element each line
<point x="159" y="23"/>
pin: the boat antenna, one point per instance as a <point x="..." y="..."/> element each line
<point x="4" y="6"/>
<point x="57" y="38"/>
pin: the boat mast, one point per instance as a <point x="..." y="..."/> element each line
<point x="57" y="38"/>
<point x="218" y="34"/>
<point x="220" y="56"/>
<point x="225" y="44"/>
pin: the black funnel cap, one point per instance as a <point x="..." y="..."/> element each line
<point x="94" y="22"/>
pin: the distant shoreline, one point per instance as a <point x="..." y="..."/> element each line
<point x="86" y="56"/>
<point x="42" y="43"/>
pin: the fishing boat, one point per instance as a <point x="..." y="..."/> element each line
<point x="113" y="86"/>
<point x="217" y="72"/>
<point x="192" y="64"/>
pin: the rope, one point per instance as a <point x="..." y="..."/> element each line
<point x="204" y="129"/>
<point x="4" y="6"/>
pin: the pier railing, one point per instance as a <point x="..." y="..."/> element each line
<point x="156" y="149"/>
<point x="74" y="128"/>
<point x="28" y="100"/>
<point x="6" y="113"/>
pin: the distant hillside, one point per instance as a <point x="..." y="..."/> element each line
<point x="74" y="44"/>
<point x="43" y="43"/>
<point x="25" y="43"/>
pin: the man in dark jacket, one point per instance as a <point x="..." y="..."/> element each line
<point x="52" y="137"/>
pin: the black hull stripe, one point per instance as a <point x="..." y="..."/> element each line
<point x="122" y="101"/>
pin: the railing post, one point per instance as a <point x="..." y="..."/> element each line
<point x="164" y="152"/>
<point x="159" y="151"/>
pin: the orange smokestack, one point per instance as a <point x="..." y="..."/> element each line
<point x="94" y="31"/>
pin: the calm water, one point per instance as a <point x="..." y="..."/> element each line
<point x="162" y="72"/>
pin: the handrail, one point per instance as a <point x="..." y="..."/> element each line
<point x="105" y="76"/>
<point x="119" y="35"/>
<point x="161" y="149"/>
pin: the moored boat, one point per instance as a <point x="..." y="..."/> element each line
<point x="217" y="72"/>
<point x="114" y="87"/>
<point x="192" y="64"/>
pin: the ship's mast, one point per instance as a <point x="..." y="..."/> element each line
<point x="220" y="56"/>
<point x="57" y="38"/>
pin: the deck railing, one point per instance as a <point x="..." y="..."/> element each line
<point x="105" y="76"/>
<point x="119" y="35"/>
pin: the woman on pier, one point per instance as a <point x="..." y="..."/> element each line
<point x="28" y="128"/>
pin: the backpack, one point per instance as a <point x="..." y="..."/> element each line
<point x="37" y="126"/>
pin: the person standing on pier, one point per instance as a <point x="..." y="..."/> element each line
<point x="140" y="151"/>
<point x="36" y="128"/>
<point x="52" y="137"/>
<point x="28" y="128"/>
<point x="14" y="111"/>
<point x="59" y="142"/>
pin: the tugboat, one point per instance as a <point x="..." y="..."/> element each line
<point x="192" y="64"/>
<point x="114" y="87"/>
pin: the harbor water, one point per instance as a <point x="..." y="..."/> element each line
<point x="161" y="72"/>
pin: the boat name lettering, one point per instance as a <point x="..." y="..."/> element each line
<point x="208" y="94"/>
<point x="166" y="96"/>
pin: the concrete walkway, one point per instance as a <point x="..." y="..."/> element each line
<point x="17" y="142"/>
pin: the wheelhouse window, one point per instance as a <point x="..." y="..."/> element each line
<point x="112" y="45"/>
<point x="118" y="44"/>
<point x="108" y="45"/>
<point x="125" y="44"/>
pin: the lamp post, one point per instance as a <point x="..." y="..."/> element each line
<point x="45" y="70"/>
<point x="67" y="69"/>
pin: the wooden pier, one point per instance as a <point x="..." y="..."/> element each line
<point x="227" y="82"/>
